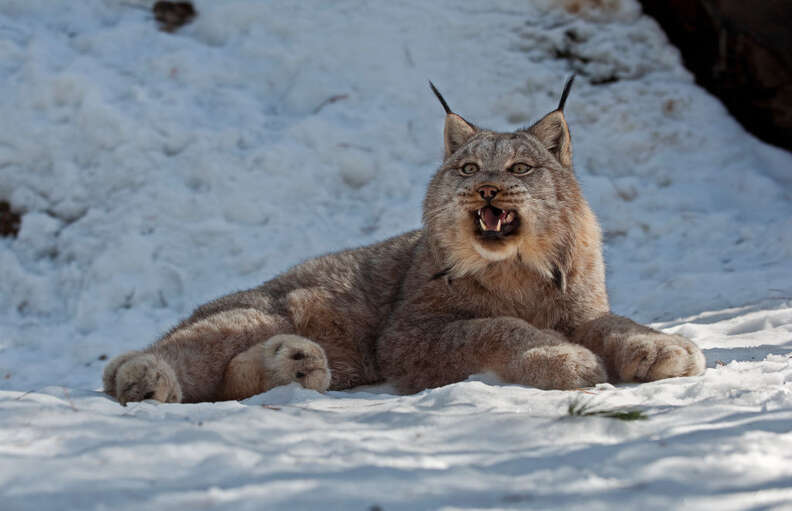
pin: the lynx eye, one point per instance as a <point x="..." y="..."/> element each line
<point x="468" y="169"/>
<point x="521" y="169"/>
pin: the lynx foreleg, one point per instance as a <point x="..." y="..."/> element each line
<point x="415" y="357"/>
<point x="633" y="352"/>
<point x="280" y="360"/>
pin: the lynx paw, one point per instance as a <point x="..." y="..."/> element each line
<point x="649" y="357"/>
<point x="291" y="358"/>
<point x="137" y="376"/>
<point x="279" y="360"/>
<point x="558" y="366"/>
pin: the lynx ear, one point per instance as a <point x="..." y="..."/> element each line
<point x="553" y="131"/>
<point x="457" y="130"/>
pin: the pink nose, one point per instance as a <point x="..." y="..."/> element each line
<point x="488" y="191"/>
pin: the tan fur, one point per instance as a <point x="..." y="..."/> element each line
<point x="280" y="360"/>
<point x="433" y="306"/>
<point x="139" y="376"/>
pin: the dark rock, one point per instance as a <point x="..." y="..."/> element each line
<point x="9" y="220"/>
<point x="173" y="15"/>
<point x="739" y="51"/>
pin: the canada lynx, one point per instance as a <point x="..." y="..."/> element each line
<point x="506" y="275"/>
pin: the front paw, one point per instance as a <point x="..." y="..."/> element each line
<point x="563" y="366"/>
<point x="654" y="356"/>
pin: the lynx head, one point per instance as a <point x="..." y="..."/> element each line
<point x="505" y="197"/>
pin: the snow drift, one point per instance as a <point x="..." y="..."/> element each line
<point x="156" y="171"/>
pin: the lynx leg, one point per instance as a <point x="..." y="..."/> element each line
<point x="188" y="363"/>
<point x="111" y="369"/>
<point x="512" y="348"/>
<point x="549" y="361"/>
<point x="280" y="360"/>
<point x="634" y="352"/>
<point x="655" y="356"/>
<point x="562" y="366"/>
<point x="137" y="376"/>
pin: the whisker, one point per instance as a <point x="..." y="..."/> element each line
<point x="436" y="211"/>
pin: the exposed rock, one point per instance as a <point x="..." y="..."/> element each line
<point x="173" y="15"/>
<point x="739" y="51"/>
<point x="9" y="220"/>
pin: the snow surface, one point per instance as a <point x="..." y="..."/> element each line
<point x="156" y="171"/>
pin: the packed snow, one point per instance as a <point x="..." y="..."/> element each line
<point x="155" y="171"/>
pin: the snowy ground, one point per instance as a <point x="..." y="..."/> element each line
<point x="157" y="171"/>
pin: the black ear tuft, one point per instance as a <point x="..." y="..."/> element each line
<point x="457" y="130"/>
<point x="440" y="97"/>
<point x="565" y="94"/>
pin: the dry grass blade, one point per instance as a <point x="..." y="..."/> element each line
<point x="578" y="408"/>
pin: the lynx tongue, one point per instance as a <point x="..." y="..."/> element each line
<point x="491" y="218"/>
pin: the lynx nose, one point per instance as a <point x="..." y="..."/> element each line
<point x="488" y="192"/>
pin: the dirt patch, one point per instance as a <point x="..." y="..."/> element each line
<point x="172" y="15"/>
<point x="9" y="221"/>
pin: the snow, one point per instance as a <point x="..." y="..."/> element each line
<point x="156" y="171"/>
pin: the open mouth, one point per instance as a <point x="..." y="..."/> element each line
<point x="494" y="223"/>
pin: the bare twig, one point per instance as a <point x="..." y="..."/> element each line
<point x="19" y="398"/>
<point x="69" y="399"/>
<point x="329" y="101"/>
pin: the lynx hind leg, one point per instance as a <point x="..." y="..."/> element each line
<point x="279" y="360"/>
<point x="559" y="365"/>
<point x="296" y="358"/>
<point x="137" y="376"/>
<point x="111" y="369"/>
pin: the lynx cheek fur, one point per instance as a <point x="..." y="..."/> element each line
<point x="505" y="276"/>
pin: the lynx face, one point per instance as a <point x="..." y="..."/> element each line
<point x="504" y="197"/>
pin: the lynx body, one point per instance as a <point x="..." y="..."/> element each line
<point x="506" y="275"/>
